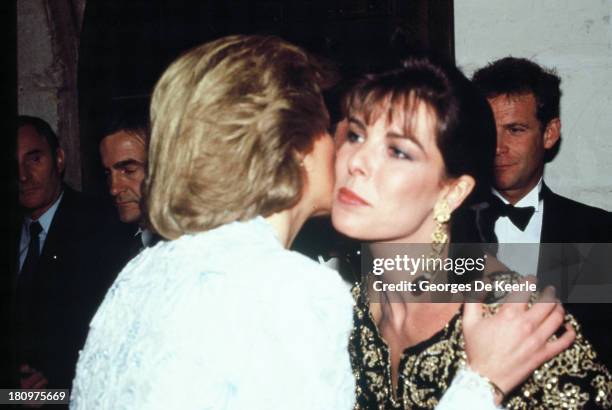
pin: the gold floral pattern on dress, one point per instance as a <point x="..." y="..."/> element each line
<point x="571" y="380"/>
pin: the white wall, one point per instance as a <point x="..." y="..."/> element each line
<point x="575" y="37"/>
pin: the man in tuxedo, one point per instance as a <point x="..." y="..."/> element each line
<point x="123" y="151"/>
<point x="68" y="255"/>
<point x="521" y="209"/>
<point x="525" y="101"/>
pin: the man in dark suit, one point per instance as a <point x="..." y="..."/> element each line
<point x="521" y="209"/>
<point x="69" y="253"/>
<point x="123" y="151"/>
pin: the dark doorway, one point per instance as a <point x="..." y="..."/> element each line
<point x="125" y="45"/>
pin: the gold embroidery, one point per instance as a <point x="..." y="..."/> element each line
<point x="571" y="380"/>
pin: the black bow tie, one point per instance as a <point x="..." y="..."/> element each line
<point x="519" y="216"/>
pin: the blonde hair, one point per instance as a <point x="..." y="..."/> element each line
<point x="228" y="120"/>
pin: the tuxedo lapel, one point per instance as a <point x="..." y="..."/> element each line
<point x="559" y="259"/>
<point x="548" y="260"/>
<point x="551" y="225"/>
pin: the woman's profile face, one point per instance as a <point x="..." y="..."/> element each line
<point x="388" y="178"/>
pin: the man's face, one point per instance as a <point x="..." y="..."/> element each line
<point x="124" y="157"/>
<point x="521" y="144"/>
<point x="40" y="180"/>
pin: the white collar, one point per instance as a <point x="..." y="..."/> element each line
<point x="46" y="218"/>
<point x="146" y="236"/>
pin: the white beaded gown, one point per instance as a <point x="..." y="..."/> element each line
<point x="227" y="319"/>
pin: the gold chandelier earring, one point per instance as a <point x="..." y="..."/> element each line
<point x="439" y="237"/>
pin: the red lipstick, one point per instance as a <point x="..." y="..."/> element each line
<point x="346" y="196"/>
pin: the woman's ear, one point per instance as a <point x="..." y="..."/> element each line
<point x="458" y="190"/>
<point x="309" y="160"/>
<point x="306" y="162"/>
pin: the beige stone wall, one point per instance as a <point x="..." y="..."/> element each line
<point x="47" y="48"/>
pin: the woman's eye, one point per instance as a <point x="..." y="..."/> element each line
<point x="398" y="153"/>
<point x="353" y="137"/>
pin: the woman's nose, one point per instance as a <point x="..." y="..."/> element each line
<point x="359" y="163"/>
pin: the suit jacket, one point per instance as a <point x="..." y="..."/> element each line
<point x="84" y="250"/>
<point x="568" y="221"/>
<point x="564" y="222"/>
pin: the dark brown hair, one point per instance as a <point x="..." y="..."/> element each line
<point x="465" y="128"/>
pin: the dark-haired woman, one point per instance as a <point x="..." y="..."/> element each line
<point x="416" y="140"/>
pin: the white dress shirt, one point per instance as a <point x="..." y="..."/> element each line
<point x="146" y="237"/>
<point x="521" y="252"/>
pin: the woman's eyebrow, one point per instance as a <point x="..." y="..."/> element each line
<point x="392" y="134"/>
<point x="353" y="120"/>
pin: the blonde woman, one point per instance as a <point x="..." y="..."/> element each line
<point x="222" y="315"/>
